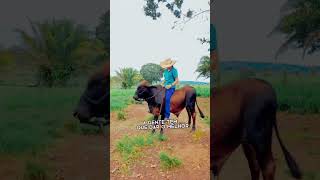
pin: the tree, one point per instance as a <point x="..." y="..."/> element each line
<point x="102" y="32"/>
<point x="301" y="25"/>
<point x="128" y="77"/>
<point x="57" y="47"/>
<point x="204" y="67"/>
<point x="151" y="9"/>
<point x="151" y="72"/>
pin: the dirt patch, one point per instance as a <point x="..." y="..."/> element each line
<point x="191" y="148"/>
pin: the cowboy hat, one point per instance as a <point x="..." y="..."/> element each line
<point x="167" y="63"/>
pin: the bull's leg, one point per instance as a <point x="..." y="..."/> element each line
<point x="252" y="161"/>
<point x="189" y="116"/>
<point x="161" y="129"/>
<point x="268" y="166"/>
<point x="155" y="118"/>
<point x="193" y="120"/>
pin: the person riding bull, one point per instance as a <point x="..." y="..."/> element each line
<point x="170" y="75"/>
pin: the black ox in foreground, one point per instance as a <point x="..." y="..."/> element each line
<point x="185" y="97"/>
<point x="244" y="113"/>
<point x="95" y="101"/>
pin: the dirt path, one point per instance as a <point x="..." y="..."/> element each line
<point x="181" y="143"/>
<point x="301" y="136"/>
<point x="81" y="157"/>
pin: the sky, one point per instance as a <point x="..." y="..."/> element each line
<point x="137" y="39"/>
<point x="14" y="13"/>
<point x="243" y="27"/>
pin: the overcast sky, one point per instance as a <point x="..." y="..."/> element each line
<point x="14" y="13"/>
<point x="137" y="39"/>
<point x="242" y="32"/>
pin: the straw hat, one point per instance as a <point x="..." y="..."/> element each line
<point x="167" y="63"/>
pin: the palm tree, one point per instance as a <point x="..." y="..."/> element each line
<point x="204" y="67"/>
<point x="128" y="77"/>
<point x="300" y="22"/>
<point x="57" y="47"/>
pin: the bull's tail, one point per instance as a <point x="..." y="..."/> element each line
<point x="201" y="113"/>
<point x="293" y="166"/>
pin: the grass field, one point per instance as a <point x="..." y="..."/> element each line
<point x="32" y="118"/>
<point x="121" y="98"/>
<point x="296" y="93"/>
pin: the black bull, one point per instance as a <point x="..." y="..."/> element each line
<point x="244" y="113"/>
<point x="95" y="101"/>
<point x="182" y="98"/>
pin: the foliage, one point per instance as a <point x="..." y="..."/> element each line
<point x="128" y="77"/>
<point x="204" y="67"/>
<point x="151" y="72"/>
<point x="169" y="162"/>
<point x="301" y="25"/>
<point x="35" y="171"/>
<point x="103" y="32"/>
<point x="151" y="9"/>
<point x="121" y="115"/>
<point x="57" y="46"/>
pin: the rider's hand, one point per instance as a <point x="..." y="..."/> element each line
<point x="168" y="86"/>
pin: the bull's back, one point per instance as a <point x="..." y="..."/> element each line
<point x="178" y="99"/>
<point x="230" y="102"/>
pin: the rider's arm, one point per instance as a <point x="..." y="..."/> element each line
<point x="175" y="82"/>
<point x="162" y="83"/>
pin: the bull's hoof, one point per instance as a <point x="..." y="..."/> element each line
<point x="193" y="129"/>
<point x="189" y="124"/>
<point x="161" y="132"/>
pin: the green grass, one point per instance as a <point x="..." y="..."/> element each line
<point x="130" y="147"/>
<point x="203" y="90"/>
<point x="35" y="171"/>
<point x="32" y="118"/>
<point x="295" y="93"/>
<point x="169" y="162"/>
<point x="121" y="98"/>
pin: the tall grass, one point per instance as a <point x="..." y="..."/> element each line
<point x="295" y="93"/>
<point x="32" y="118"/>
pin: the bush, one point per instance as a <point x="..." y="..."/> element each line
<point x="35" y="171"/>
<point x="121" y="115"/>
<point x="169" y="162"/>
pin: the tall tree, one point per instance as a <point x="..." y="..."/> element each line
<point x="204" y="67"/>
<point x="300" y="22"/>
<point x="151" y="72"/>
<point x="103" y="32"/>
